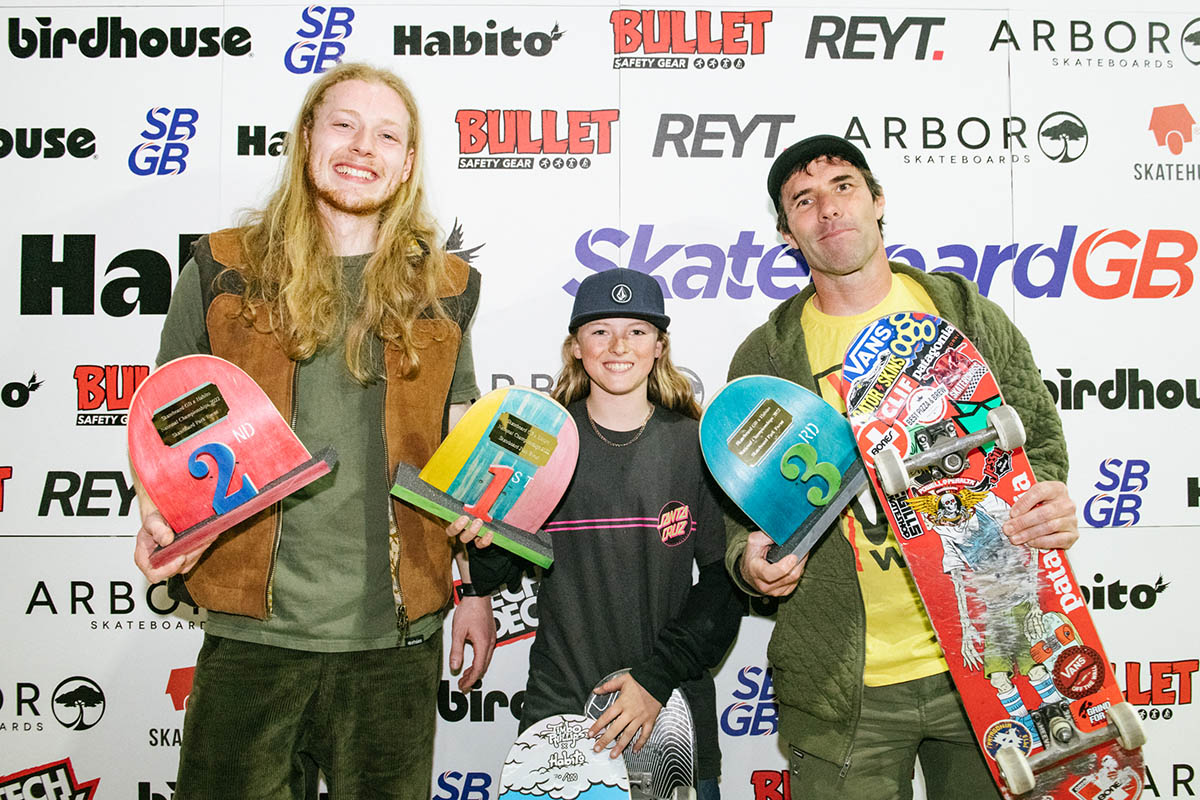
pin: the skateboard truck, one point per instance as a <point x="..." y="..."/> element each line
<point x="1004" y="428"/>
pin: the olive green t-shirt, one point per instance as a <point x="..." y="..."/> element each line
<point x="332" y="586"/>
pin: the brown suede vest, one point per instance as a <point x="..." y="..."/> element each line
<point x="234" y="575"/>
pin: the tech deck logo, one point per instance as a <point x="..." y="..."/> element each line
<point x="165" y="150"/>
<point x="515" y="613"/>
<point x="109" y="387"/>
<point x="512" y="140"/>
<point x="323" y="33"/>
<point x="873" y="37"/>
<point x="179" y="686"/>
<point x="668" y="39"/>
<point x="675" y="523"/>
<point x="54" y="781"/>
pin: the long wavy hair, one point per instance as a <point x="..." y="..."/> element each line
<point x="666" y="385"/>
<point x="288" y="256"/>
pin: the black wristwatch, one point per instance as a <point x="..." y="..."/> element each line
<point x="468" y="590"/>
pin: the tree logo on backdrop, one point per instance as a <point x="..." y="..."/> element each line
<point x="54" y="781"/>
<point x="1189" y="42"/>
<point x="323" y="33"/>
<point x="164" y="149"/>
<point x="413" y="40"/>
<point x="675" y="39"/>
<point x="78" y="703"/>
<point x="1063" y="137"/>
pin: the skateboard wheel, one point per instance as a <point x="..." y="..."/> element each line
<point x="683" y="793"/>
<point x="1014" y="769"/>
<point x="889" y="468"/>
<point x="1010" y="432"/>
<point x="1130" y="732"/>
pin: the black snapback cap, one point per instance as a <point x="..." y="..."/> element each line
<point x="810" y="149"/>
<point x="619" y="292"/>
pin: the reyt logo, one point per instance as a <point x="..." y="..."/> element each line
<point x="736" y="269"/>
<point x="15" y="394"/>
<point x="755" y="713"/>
<point x="507" y="136"/>
<point x="252" y="141"/>
<point x="454" y="706"/>
<point x="455" y="785"/>
<point x="1118" y="595"/>
<point x="148" y="290"/>
<point x="109" y="37"/>
<point x="707" y="134"/>
<point x="322" y="44"/>
<point x="1107" y="264"/>
<point x="1103" y="44"/>
<point x="667" y="38"/>
<point x="407" y="40"/>
<point x="47" y="143"/>
<point x="861" y="37"/>
<point x="1120" y="502"/>
<point x="54" y="781"/>
<point x="1126" y="389"/>
<point x="78" y="703"/>
<point x="164" y="151"/>
<point x="110" y="387"/>
<point x="91" y="488"/>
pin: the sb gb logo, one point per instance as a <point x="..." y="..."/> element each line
<point x="321" y="44"/>
<point x="164" y="150"/>
<point x="1120" y="503"/>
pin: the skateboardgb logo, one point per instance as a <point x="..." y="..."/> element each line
<point x="78" y="703"/>
<point x="53" y="781"/>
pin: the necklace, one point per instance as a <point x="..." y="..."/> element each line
<point x="636" y="436"/>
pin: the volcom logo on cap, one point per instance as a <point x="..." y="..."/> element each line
<point x="621" y="293"/>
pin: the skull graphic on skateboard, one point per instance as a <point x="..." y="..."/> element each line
<point x="508" y="461"/>
<point x="947" y="457"/>
<point x="211" y="450"/>
<point x="784" y="456"/>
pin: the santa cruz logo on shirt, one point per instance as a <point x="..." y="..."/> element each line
<point x="674" y="523"/>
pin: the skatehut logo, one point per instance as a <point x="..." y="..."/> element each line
<point x="510" y="138"/>
<point x="78" y="703"/>
<point x="53" y="781"/>
<point x="179" y="686"/>
<point x="1063" y="137"/>
<point x="677" y="39"/>
<point x="1172" y="128"/>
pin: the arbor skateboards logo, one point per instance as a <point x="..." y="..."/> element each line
<point x="78" y="703"/>
<point x="1068" y="131"/>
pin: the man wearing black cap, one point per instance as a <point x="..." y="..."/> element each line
<point x="862" y="685"/>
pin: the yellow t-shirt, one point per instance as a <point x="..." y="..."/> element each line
<point x="901" y="644"/>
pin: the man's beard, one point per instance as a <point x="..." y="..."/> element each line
<point x="345" y="201"/>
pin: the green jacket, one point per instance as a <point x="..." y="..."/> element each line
<point x="818" y="648"/>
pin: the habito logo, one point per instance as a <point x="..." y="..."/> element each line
<point x="15" y="394"/>
<point x="1104" y="43"/>
<point x="754" y="712"/>
<point x="108" y="37"/>
<point x="139" y="279"/>
<point x="667" y="38"/>
<point x="505" y="139"/>
<point x="1120" y="501"/>
<point x="1106" y="265"/>
<point x="164" y="150"/>
<point x="322" y="33"/>
<point x="412" y="40"/>
<point x="871" y="37"/>
<point x="110" y="387"/>
<point x="53" y="781"/>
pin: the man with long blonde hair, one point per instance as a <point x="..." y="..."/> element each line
<point x="322" y="649"/>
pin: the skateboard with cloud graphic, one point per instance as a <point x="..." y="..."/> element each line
<point x="947" y="457"/>
<point x="784" y="456"/>
<point x="508" y="461"/>
<point x="554" y="759"/>
<point x="211" y="450"/>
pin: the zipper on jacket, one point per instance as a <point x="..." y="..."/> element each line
<point x="295" y="412"/>
<point x="402" y="621"/>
